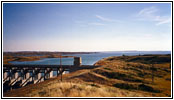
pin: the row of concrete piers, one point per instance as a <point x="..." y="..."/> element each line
<point x="16" y="76"/>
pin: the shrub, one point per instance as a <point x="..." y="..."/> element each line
<point x="125" y="86"/>
<point x="144" y="87"/>
<point x="107" y="68"/>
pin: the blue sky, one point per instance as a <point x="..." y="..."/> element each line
<point x="86" y="26"/>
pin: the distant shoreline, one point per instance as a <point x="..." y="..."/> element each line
<point x="33" y="56"/>
<point x="43" y="53"/>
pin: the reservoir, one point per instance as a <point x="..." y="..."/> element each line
<point x="87" y="59"/>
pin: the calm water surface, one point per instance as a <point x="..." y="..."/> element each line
<point x="87" y="59"/>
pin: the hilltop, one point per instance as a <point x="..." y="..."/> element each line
<point x="118" y="76"/>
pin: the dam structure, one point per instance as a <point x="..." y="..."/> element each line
<point x="16" y="76"/>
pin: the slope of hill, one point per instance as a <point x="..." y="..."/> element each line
<point x="123" y="76"/>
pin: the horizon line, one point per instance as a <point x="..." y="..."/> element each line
<point x="83" y="51"/>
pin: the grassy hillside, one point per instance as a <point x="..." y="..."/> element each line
<point x="124" y="76"/>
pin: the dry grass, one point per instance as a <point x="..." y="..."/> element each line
<point x="134" y="70"/>
<point x="118" y="77"/>
<point x="69" y="89"/>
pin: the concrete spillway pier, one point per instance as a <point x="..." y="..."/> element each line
<point x="16" y="76"/>
<point x="21" y="75"/>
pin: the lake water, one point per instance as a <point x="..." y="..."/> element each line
<point x="87" y="59"/>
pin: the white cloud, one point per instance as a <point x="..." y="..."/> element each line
<point x="151" y="14"/>
<point x="106" y="19"/>
<point x="148" y="11"/>
<point x="102" y="18"/>
<point x="85" y="23"/>
<point x="164" y="21"/>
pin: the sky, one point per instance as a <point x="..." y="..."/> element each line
<point x="87" y="27"/>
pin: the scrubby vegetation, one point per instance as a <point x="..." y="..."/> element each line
<point x="124" y="76"/>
